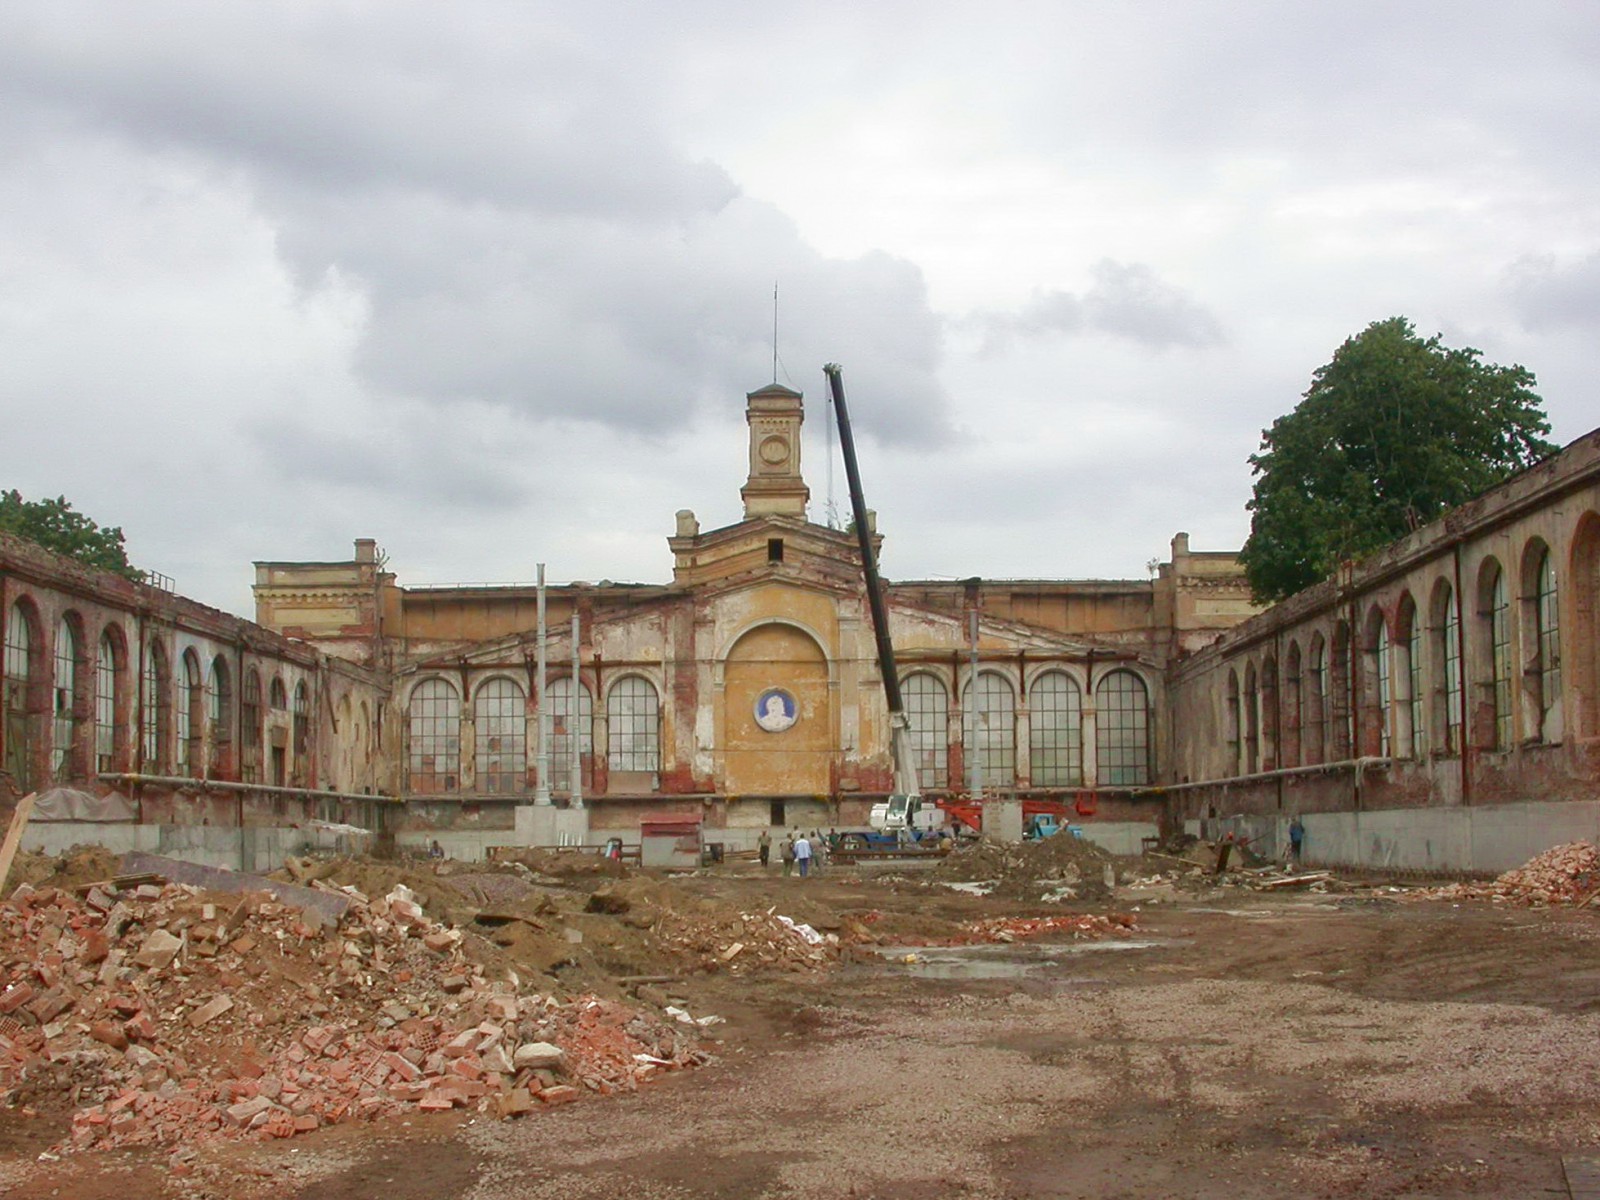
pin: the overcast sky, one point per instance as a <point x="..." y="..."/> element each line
<point x="489" y="281"/>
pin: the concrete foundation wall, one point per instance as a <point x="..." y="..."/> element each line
<point x="254" y="848"/>
<point x="1117" y="837"/>
<point x="1485" y="840"/>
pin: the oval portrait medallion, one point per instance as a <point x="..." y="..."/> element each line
<point x="776" y="710"/>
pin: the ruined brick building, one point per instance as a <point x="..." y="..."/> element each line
<point x="1445" y="685"/>
<point x="667" y="706"/>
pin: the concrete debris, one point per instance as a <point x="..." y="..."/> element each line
<point x="1063" y="865"/>
<point x="1563" y="875"/>
<point x="163" y="1014"/>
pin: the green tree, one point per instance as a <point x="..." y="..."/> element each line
<point x="1391" y="433"/>
<point x="56" y="525"/>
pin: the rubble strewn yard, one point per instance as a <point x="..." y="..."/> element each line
<point x="1010" y="1022"/>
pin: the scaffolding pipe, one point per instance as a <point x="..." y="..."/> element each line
<point x="541" y="793"/>
<point x="228" y="785"/>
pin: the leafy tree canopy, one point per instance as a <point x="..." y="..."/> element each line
<point x="1391" y="433"/>
<point x="56" y="525"/>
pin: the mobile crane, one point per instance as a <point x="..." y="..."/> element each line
<point x="900" y="815"/>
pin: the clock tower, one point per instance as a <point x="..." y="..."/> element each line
<point x="775" y="488"/>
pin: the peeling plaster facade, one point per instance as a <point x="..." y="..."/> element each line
<point x="194" y="715"/>
<point x="1456" y="669"/>
<point x="774" y="603"/>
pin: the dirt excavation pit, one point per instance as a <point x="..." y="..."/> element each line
<point x="581" y="1029"/>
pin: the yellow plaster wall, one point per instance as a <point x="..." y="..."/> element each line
<point x="796" y="760"/>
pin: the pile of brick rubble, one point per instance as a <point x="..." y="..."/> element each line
<point x="162" y="1015"/>
<point x="1562" y="875"/>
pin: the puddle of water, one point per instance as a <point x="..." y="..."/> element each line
<point x="980" y="887"/>
<point x="1003" y="961"/>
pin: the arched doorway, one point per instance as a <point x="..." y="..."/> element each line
<point x="777" y="715"/>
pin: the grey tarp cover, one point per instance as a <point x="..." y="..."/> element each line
<point x="70" y="804"/>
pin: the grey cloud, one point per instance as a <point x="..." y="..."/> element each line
<point x="1548" y="295"/>
<point x="1126" y="300"/>
<point x="383" y="463"/>
<point x="521" y="230"/>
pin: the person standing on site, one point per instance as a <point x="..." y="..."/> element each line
<point x="764" y="848"/>
<point x="788" y="854"/>
<point x="819" y="851"/>
<point x="802" y="854"/>
<point x="1297" y="841"/>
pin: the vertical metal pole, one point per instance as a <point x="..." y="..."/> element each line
<point x="974" y="767"/>
<point x="575" y="718"/>
<point x="541" y="794"/>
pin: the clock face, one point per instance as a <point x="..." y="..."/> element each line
<point x="774" y="451"/>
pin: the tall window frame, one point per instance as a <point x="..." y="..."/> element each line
<point x="1341" y="712"/>
<point x="21" y="676"/>
<point x="991" y="712"/>
<point x="67" y="681"/>
<point x="928" y="711"/>
<point x="300" y="733"/>
<point x="1294" y="707"/>
<point x="1122" y="740"/>
<point x="1381" y="666"/>
<point x="633" y="726"/>
<point x="157" y="709"/>
<point x="251" y="727"/>
<point x="433" y="738"/>
<point x="1496" y="681"/>
<point x="558" y="699"/>
<point x="1233" y="723"/>
<point x="1449" y="694"/>
<point x="219" y="715"/>
<point x="1055" y="730"/>
<point x="191" y="716"/>
<point x="1317" y="695"/>
<point x="109" y="703"/>
<point x="500" y="728"/>
<point x="1543" y="623"/>
<point x="1410" y="643"/>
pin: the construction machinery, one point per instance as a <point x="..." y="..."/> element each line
<point x="903" y="813"/>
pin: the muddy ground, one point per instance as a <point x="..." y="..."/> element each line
<point x="1233" y="1045"/>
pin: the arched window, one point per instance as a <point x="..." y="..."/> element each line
<point x="1232" y="722"/>
<point x="1271" y="745"/>
<point x="992" y="716"/>
<point x="633" y="725"/>
<point x="1414" y="730"/>
<point x="1381" y="684"/>
<point x="434" y="728"/>
<point x="564" y="723"/>
<point x="1583" y="619"/>
<point x="300" y="734"/>
<point x="69" y="677"/>
<point x="1122" y="730"/>
<point x="21" y="668"/>
<point x="1341" y="717"/>
<point x="928" y="710"/>
<point x="278" y="697"/>
<point x="250" y="727"/>
<point x="108" y="700"/>
<point x="157" y="709"/>
<point x="1495" y="675"/>
<point x="1252" y="721"/>
<point x="1449" y="702"/>
<point x="219" y="713"/>
<point x="1316" y="727"/>
<point x="500" y="720"/>
<point x="1294" y="707"/>
<point x="1542" y="625"/>
<point x="191" y="715"/>
<point x="1055" y="730"/>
